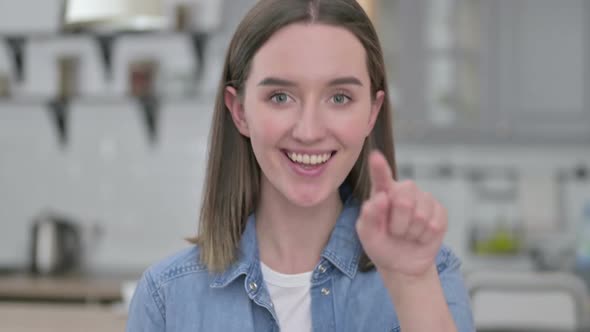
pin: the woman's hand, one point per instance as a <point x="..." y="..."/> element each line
<point x="400" y="227"/>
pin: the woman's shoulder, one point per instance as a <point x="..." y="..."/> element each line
<point x="179" y="264"/>
<point x="175" y="284"/>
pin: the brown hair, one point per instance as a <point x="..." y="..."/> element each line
<point x="232" y="184"/>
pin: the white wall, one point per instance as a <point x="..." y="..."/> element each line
<point x="147" y="198"/>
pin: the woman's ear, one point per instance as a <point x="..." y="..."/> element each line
<point x="375" y="108"/>
<point x="236" y="109"/>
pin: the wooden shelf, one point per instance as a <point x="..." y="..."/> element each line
<point x="105" y="42"/>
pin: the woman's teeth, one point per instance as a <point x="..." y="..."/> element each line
<point x="307" y="159"/>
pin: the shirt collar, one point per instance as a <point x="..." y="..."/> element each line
<point x="343" y="249"/>
<point x="247" y="259"/>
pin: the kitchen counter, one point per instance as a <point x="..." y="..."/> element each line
<point x="64" y="304"/>
<point x="35" y="317"/>
<point x="73" y="288"/>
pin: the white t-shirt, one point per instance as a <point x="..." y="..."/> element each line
<point x="291" y="298"/>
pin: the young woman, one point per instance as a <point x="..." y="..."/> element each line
<point x="303" y="224"/>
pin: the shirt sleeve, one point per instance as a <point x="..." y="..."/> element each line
<point x="457" y="297"/>
<point x="146" y="310"/>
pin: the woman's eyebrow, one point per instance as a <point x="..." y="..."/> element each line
<point x="346" y="81"/>
<point x="276" y="82"/>
<point x="273" y="81"/>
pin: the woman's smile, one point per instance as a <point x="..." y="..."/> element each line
<point x="308" y="164"/>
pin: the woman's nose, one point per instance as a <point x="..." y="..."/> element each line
<point x="310" y="125"/>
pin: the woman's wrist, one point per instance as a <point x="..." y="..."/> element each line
<point x="397" y="279"/>
<point x="418" y="296"/>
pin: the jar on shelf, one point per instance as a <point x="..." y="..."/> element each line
<point x="4" y="85"/>
<point x="68" y="76"/>
<point x="142" y="76"/>
<point x="183" y="17"/>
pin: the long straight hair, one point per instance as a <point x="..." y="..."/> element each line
<point x="232" y="186"/>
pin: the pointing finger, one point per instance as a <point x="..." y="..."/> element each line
<point x="380" y="173"/>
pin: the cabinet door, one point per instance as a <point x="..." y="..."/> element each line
<point x="474" y="71"/>
<point x="437" y="49"/>
<point x="541" y="52"/>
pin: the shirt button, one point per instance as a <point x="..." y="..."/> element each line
<point x="325" y="291"/>
<point x="253" y="286"/>
<point x="322" y="268"/>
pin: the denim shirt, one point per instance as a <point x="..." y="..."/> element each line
<point x="180" y="294"/>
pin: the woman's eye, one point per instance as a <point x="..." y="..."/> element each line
<point x="340" y="99"/>
<point x="280" y="98"/>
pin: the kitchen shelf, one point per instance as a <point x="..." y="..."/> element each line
<point x="105" y="41"/>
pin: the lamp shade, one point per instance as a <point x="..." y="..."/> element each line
<point x="114" y="14"/>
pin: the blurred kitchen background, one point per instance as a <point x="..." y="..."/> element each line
<point x="105" y="109"/>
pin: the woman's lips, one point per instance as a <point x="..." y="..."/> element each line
<point x="309" y="158"/>
<point x="306" y="168"/>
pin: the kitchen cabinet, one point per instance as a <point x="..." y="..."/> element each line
<point x="541" y="57"/>
<point x="491" y="72"/>
<point x="437" y="62"/>
<point x="562" y="295"/>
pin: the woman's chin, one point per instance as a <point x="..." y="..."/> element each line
<point x="307" y="198"/>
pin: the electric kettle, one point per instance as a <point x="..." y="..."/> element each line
<point x="55" y="244"/>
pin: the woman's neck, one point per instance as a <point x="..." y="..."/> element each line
<point x="291" y="238"/>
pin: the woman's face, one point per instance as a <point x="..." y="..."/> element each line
<point x="307" y="109"/>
